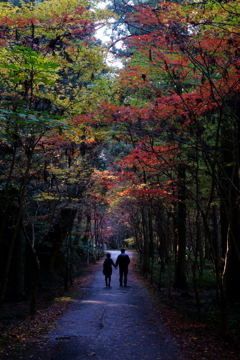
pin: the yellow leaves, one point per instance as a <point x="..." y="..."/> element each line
<point x="65" y="298"/>
<point x="44" y="197"/>
<point x="7" y="9"/>
<point x="72" y="180"/>
<point x="48" y="54"/>
<point x="215" y="18"/>
<point x="133" y="187"/>
<point x="54" y="11"/>
<point x="54" y="14"/>
<point x="102" y="176"/>
<point x="52" y="17"/>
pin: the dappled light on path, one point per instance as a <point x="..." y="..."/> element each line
<point x="117" y="323"/>
<point x="111" y="323"/>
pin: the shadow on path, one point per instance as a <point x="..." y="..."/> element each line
<point x="110" y="323"/>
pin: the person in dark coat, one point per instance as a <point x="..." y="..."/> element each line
<point x="107" y="269"/>
<point x="123" y="261"/>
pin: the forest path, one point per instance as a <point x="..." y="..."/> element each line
<point x="110" y="323"/>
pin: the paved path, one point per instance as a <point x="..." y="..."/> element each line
<point x="114" y="323"/>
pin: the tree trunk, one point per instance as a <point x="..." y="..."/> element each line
<point x="216" y="233"/>
<point x="15" y="231"/>
<point x="221" y="280"/>
<point x="170" y="280"/>
<point x="6" y="196"/>
<point x="145" y="258"/>
<point x="61" y="230"/>
<point x="230" y="208"/>
<point x="35" y="283"/>
<point x="151" y="243"/>
<point x="180" y="272"/>
<point x="19" y="265"/>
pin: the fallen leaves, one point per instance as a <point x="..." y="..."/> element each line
<point x="30" y="333"/>
<point x="196" y="340"/>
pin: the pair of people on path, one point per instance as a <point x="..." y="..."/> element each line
<point x="123" y="261"/>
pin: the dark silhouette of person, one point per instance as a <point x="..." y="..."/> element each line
<point x="123" y="261"/>
<point x="107" y="269"/>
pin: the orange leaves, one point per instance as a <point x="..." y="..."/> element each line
<point x="83" y="119"/>
<point x="20" y="22"/>
<point x="144" y="191"/>
<point x="165" y="13"/>
<point x="140" y="171"/>
<point x="134" y="77"/>
<point x="186" y="46"/>
<point x="103" y="178"/>
<point x="147" y="157"/>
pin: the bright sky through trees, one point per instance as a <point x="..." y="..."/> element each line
<point x="104" y="33"/>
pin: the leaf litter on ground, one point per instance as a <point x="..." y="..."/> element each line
<point x="198" y="341"/>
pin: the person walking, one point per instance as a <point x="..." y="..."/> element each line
<point x="123" y="261"/>
<point x="107" y="269"/>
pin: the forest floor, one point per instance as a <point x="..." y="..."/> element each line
<point x="22" y="335"/>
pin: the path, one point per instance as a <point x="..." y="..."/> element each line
<point x="114" y="323"/>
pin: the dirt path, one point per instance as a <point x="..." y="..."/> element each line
<point x="109" y="323"/>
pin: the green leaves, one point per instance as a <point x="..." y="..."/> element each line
<point x="10" y="66"/>
<point x="23" y="64"/>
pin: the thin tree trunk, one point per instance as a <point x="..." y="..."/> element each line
<point x="35" y="284"/>
<point x="6" y="194"/>
<point x="170" y="279"/>
<point x="180" y="273"/>
<point x="15" y="231"/>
